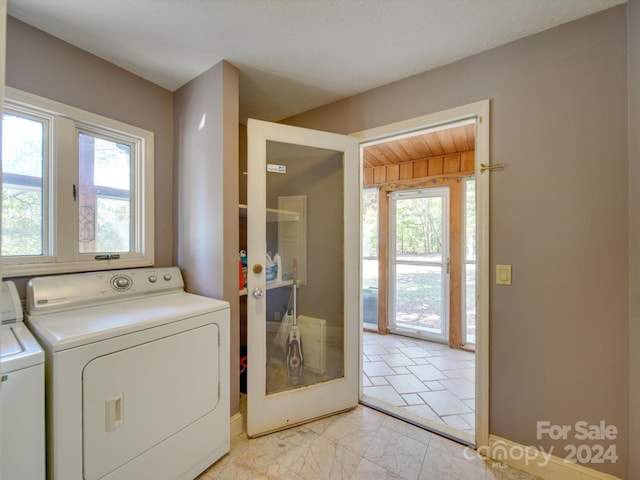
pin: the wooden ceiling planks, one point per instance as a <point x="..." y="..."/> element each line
<point x="443" y="142"/>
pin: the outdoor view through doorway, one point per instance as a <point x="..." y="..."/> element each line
<point x="419" y="277"/>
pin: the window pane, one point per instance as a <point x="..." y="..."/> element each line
<point x="113" y="222"/>
<point x="22" y="199"/>
<point x="104" y="199"/>
<point x="370" y="256"/>
<point x="470" y="220"/>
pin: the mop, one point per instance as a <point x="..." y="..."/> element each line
<point x="282" y="336"/>
<point x="295" y="360"/>
<point x="290" y="332"/>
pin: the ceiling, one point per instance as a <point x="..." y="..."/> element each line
<point x="421" y="146"/>
<point x="293" y="55"/>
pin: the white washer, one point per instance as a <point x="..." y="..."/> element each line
<point x="21" y="394"/>
<point x="137" y="374"/>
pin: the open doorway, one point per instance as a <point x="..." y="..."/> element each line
<point x="420" y="275"/>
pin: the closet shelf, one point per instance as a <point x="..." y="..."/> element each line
<point x="274" y="215"/>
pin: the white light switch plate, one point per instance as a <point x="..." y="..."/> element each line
<point x="503" y="274"/>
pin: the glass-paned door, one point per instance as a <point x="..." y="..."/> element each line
<point x="303" y="278"/>
<point x="419" y="263"/>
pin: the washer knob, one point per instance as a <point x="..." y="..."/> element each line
<point x="153" y="279"/>
<point x="167" y="276"/>
<point x="121" y="282"/>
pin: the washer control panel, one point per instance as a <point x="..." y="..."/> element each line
<point x="65" y="292"/>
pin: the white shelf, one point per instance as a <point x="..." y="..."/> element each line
<point x="271" y="285"/>
<point x="274" y="215"/>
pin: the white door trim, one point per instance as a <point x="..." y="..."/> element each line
<point x="446" y="118"/>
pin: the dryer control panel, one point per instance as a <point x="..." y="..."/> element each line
<point x="65" y="292"/>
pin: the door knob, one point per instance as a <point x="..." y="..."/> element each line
<point x="257" y="293"/>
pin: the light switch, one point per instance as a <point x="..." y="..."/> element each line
<point x="503" y="274"/>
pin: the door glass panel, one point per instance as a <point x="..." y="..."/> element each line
<point x="419" y="292"/>
<point x="419" y="278"/>
<point x="419" y="229"/>
<point x="304" y="291"/>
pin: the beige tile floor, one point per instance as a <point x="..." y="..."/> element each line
<point x="424" y="380"/>
<point x="360" y="444"/>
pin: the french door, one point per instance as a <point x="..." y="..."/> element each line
<point x="303" y="276"/>
<point x="419" y="263"/>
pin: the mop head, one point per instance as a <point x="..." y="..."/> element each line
<point x="295" y="360"/>
<point x="282" y="336"/>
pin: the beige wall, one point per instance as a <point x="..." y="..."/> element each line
<point x="206" y="152"/>
<point x="559" y="334"/>
<point x="634" y="233"/>
<point x="44" y="65"/>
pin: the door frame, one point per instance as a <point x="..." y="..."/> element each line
<point x="480" y="111"/>
<point x="443" y="192"/>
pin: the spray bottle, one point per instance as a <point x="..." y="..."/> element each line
<point x="278" y="263"/>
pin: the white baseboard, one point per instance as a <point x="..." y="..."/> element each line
<point x="536" y="462"/>
<point x="236" y="425"/>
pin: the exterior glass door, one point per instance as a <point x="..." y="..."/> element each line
<point x="302" y="309"/>
<point x="419" y="263"/>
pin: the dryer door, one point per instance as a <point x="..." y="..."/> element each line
<point x="136" y="398"/>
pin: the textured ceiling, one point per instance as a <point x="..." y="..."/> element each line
<point x="293" y="55"/>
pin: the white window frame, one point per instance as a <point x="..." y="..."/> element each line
<point x="60" y="174"/>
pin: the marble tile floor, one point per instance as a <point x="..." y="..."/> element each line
<point x="427" y="380"/>
<point x="360" y="444"/>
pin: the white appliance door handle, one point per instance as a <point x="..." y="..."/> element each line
<point x="114" y="411"/>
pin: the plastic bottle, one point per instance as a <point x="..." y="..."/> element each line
<point x="270" y="273"/>
<point x="243" y="262"/>
<point x="278" y="263"/>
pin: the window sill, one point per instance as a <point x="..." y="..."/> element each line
<point x="35" y="269"/>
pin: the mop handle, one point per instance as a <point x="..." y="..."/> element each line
<point x="295" y="306"/>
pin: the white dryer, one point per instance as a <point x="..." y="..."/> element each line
<point x="137" y="374"/>
<point x="21" y="394"/>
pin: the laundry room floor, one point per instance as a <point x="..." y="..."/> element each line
<point x="360" y="444"/>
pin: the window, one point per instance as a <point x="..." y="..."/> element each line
<point x="77" y="189"/>
<point x="469" y="263"/>
<point x="370" y="256"/>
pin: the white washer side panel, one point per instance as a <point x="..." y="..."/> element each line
<point x="22" y="419"/>
<point x="136" y="398"/>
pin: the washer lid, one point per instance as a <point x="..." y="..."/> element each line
<point x="19" y="348"/>
<point x="63" y="330"/>
<point x="11" y="308"/>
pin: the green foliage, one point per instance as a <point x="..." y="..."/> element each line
<point x="419" y="226"/>
<point x="21" y="221"/>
